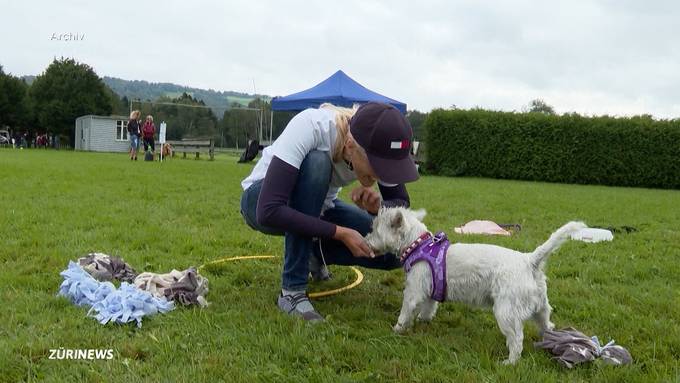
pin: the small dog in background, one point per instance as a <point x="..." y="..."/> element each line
<point x="166" y="150"/>
<point x="512" y="283"/>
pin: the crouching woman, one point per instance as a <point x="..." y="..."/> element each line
<point x="293" y="191"/>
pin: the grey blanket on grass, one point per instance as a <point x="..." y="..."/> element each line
<point x="572" y="347"/>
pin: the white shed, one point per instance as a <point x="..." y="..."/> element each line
<point x="102" y="133"/>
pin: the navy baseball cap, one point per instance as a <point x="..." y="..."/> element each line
<point x="385" y="134"/>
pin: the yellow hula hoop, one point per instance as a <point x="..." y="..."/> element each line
<point x="319" y="294"/>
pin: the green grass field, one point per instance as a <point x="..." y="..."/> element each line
<point x="57" y="206"/>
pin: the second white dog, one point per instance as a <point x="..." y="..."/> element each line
<point x="510" y="282"/>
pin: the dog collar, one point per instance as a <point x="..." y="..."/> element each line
<point x="414" y="245"/>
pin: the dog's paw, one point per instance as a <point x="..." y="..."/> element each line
<point x="399" y="329"/>
<point x="510" y="361"/>
<point x="548" y="327"/>
<point x="424" y="319"/>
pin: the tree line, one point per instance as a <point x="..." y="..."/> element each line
<point x="68" y="89"/>
<point x="65" y="90"/>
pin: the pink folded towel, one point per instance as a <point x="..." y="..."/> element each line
<point x="481" y="227"/>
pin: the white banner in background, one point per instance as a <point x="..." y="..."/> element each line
<point x="161" y="133"/>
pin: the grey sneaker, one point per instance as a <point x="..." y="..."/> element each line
<point x="299" y="305"/>
<point x="317" y="270"/>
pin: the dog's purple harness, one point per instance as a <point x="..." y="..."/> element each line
<point x="433" y="251"/>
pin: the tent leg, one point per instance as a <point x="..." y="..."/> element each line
<point x="261" y="117"/>
<point x="271" y="126"/>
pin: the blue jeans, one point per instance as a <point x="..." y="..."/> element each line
<point x="134" y="141"/>
<point x="308" y="197"/>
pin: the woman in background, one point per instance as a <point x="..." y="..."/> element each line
<point x="134" y="133"/>
<point x="148" y="132"/>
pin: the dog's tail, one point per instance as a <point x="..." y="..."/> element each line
<point x="540" y="255"/>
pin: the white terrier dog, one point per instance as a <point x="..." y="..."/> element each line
<point x="510" y="282"/>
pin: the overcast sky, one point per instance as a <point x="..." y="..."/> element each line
<point x="592" y="57"/>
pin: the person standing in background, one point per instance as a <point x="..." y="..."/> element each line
<point x="134" y="133"/>
<point x="148" y="132"/>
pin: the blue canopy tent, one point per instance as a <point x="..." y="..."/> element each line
<point x="339" y="89"/>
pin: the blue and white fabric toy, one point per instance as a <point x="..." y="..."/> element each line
<point x="122" y="305"/>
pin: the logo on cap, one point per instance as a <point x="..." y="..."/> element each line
<point x="403" y="144"/>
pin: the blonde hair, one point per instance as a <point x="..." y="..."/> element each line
<point x="149" y="117"/>
<point x="342" y="118"/>
<point x="134" y="114"/>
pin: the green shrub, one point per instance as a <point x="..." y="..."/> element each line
<point x="636" y="151"/>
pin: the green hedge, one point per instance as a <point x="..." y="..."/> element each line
<point x="637" y="151"/>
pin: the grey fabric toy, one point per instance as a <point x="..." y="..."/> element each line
<point x="187" y="287"/>
<point x="105" y="267"/>
<point x="189" y="290"/>
<point x="572" y="347"/>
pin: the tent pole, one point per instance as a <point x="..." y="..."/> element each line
<point x="271" y="126"/>
<point x="261" y="117"/>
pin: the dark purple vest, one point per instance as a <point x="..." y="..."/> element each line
<point x="433" y="251"/>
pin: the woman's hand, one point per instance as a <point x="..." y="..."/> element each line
<point x="354" y="241"/>
<point x="366" y="198"/>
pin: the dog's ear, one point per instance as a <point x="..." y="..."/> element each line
<point x="397" y="220"/>
<point x="420" y="214"/>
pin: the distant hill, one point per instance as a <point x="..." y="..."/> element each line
<point x="144" y="90"/>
